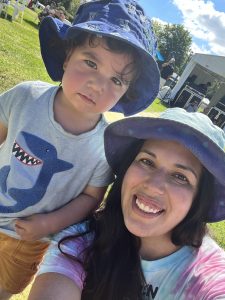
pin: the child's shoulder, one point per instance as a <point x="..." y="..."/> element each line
<point x="28" y="90"/>
<point x="35" y="85"/>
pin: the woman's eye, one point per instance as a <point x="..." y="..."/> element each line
<point x="116" y="81"/>
<point x="91" y="64"/>
<point x="181" y="178"/>
<point x="147" y="162"/>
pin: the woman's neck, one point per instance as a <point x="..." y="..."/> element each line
<point x="157" y="247"/>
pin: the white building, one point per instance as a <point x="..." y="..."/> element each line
<point x="207" y="68"/>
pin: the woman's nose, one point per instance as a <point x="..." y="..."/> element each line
<point x="156" y="181"/>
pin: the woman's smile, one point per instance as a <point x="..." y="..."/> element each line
<point x="148" y="205"/>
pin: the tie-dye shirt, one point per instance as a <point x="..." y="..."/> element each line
<point x="188" y="274"/>
<point x="195" y="274"/>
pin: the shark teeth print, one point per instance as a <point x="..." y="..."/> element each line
<point x="24" y="157"/>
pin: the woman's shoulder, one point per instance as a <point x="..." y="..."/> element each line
<point x="209" y="257"/>
<point x="206" y="273"/>
<point x="210" y="248"/>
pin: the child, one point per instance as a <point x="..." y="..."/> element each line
<point x="151" y="241"/>
<point x="52" y="154"/>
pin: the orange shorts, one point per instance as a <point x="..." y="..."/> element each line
<point x="19" y="261"/>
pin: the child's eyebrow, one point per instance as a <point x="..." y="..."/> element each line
<point x="91" y="55"/>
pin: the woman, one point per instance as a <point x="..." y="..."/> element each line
<point x="150" y="241"/>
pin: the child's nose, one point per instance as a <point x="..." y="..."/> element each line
<point x="98" y="84"/>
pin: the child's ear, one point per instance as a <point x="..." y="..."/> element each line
<point x="66" y="60"/>
<point x="65" y="65"/>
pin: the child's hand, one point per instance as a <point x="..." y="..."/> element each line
<point x="32" y="228"/>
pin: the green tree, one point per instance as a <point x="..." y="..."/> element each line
<point x="70" y="6"/>
<point x="174" y="40"/>
<point x="74" y="4"/>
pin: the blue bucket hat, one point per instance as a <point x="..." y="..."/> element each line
<point x="124" y="20"/>
<point x="194" y="131"/>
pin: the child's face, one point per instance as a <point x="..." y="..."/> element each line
<point x="158" y="189"/>
<point x="92" y="82"/>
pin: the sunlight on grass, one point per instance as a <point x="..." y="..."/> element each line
<point x="218" y="230"/>
<point x="156" y="106"/>
<point x="20" y="58"/>
<point x="22" y="296"/>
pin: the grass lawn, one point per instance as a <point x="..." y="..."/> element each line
<point x="20" y="57"/>
<point x="20" y="60"/>
<point x="156" y="107"/>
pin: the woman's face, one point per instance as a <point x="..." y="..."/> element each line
<point x="158" y="188"/>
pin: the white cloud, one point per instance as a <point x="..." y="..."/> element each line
<point x="204" y="22"/>
<point x="160" y="21"/>
<point x="197" y="49"/>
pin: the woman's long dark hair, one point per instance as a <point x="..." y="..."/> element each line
<point x="112" y="261"/>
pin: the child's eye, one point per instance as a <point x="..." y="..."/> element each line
<point x="116" y="81"/>
<point x="180" y="178"/>
<point x="91" y="64"/>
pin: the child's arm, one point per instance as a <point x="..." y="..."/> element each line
<point x="3" y="133"/>
<point x="40" y="225"/>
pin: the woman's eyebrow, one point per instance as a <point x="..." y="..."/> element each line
<point x="186" y="168"/>
<point x="148" y="152"/>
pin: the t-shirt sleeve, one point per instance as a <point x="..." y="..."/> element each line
<point x="10" y="100"/>
<point x="15" y="99"/>
<point x="6" y="104"/>
<point x="102" y="175"/>
<point x="57" y="262"/>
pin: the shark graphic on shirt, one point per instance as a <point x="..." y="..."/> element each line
<point x="44" y="156"/>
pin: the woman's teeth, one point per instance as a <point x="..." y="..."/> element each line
<point x="146" y="208"/>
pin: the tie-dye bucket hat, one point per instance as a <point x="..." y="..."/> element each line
<point x="195" y="131"/>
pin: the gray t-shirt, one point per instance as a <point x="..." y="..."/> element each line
<point x="43" y="167"/>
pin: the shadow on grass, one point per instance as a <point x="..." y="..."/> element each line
<point x="8" y="18"/>
<point x="31" y="23"/>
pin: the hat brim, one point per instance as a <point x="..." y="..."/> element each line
<point x="52" y="32"/>
<point x="122" y="135"/>
<point x="146" y="86"/>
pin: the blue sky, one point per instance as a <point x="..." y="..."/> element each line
<point x="205" y="20"/>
